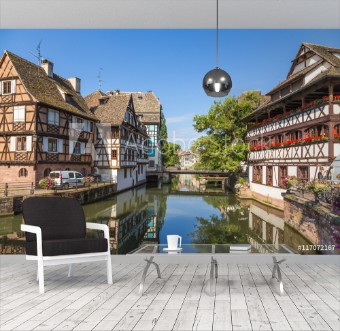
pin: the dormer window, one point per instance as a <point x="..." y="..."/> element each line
<point x="68" y="97"/>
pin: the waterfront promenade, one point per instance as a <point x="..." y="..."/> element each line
<point x="245" y="297"/>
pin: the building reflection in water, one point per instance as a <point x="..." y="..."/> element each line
<point x="141" y="215"/>
<point x="268" y="231"/>
<point x="134" y="217"/>
<point x="126" y="216"/>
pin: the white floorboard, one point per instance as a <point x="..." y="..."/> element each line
<point x="245" y="297"/>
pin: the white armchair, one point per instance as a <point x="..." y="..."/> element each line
<point x="55" y="231"/>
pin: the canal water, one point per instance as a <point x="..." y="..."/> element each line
<point x="199" y="214"/>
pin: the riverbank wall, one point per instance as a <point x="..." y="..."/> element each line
<point x="316" y="222"/>
<point x="13" y="205"/>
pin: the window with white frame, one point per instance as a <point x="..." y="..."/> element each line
<point x="19" y="114"/>
<point x="7" y="87"/>
<point x="53" y="117"/>
<point x="21" y="143"/>
<point x="52" y="145"/>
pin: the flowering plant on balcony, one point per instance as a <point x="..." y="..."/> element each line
<point x="318" y="186"/>
<point x="292" y="142"/>
<point x="336" y="136"/>
<point x="289" y="112"/>
<point x="269" y="182"/>
<point x="290" y="181"/>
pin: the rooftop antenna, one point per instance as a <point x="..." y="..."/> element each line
<point x="100" y="78"/>
<point x="38" y="56"/>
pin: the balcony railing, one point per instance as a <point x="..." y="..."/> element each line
<point x="313" y="150"/>
<point x="293" y="142"/>
<point x="308" y="112"/>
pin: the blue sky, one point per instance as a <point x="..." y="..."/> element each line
<point x="171" y="63"/>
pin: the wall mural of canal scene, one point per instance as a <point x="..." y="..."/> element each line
<point x="258" y="169"/>
<point x="146" y="215"/>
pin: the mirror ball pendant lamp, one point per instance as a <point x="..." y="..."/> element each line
<point x="217" y="82"/>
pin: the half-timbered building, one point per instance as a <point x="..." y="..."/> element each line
<point x="297" y="131"/>
<point x="148" y="106"/>
<point x="45" y="123"/>
<point x="122" y="140"/>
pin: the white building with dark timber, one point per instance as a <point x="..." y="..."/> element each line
<point x="121" y="145"/>
<point x="297" y="131"/>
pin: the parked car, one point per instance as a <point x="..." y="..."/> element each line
<point x="67" y="178"/>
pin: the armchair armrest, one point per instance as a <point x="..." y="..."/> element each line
<point x="31" y="228"/>
<point x="101" y="227"/>
<point x="37" y="230"/>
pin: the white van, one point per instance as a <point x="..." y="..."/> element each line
<point x="67" y="178"/>
<point x="333" y="174"/>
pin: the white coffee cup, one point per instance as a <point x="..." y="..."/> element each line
<point x="173" y="241"/>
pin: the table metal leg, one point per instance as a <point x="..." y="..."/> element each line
<point x="148" y="263"/>
<point x="213" y="273"/>
<point x="276" y="269"/>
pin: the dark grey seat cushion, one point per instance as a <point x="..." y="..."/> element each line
<point x="68" y="246"/>
<point x="63" y="226"/>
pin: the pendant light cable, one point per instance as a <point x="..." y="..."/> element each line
<point x="216" y="33"/>
<point x="217" y="82"/>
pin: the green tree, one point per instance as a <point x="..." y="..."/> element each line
<point x="170" y="153"/>
<point x="223" y="147"/>
<point x="163" y="129"/>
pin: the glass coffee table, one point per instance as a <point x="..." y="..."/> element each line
<point x="213" y="250"/>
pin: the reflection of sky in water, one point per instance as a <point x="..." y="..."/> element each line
<point x="181" y="216"/>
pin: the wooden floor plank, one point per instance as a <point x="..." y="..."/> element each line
<point x="315" y="321"/>
<point x="245" y="298"/>
<point x="186" y="316"/>
<point x="222" y="316"/>
<point x="306" y="298"/>
<point x="276" y="317"/>
<point x="257" y="313"/>
<point x="166" y="320"/>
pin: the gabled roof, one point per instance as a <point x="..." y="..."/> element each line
<point x="325" y="53"/>
<point x="147" y="103"/>
<point x="45" y="89"/>
<point x="113" y="111"/>
<point x="92" y="100"/>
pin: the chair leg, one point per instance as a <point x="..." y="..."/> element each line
<point x="109" y="269"/>
<point x="70" y="270"/>
<point x="41" y="276"/>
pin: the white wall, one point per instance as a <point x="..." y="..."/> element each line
<point x="336" y="149"/>
<point x="272" y="192"/>
<point x="317" y="71"/>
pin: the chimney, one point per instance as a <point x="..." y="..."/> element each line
<point x="48" y="67"/>
<point x="75" y="82"/>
